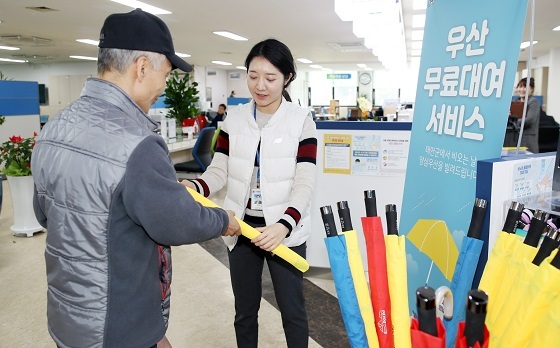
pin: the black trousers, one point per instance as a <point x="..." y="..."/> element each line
<point x="246" y="266"/>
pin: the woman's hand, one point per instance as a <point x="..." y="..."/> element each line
<point x="271" y="236"/>
<point x="188" y="184"/>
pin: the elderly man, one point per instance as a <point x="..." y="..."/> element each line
<point x="107" y="193"/>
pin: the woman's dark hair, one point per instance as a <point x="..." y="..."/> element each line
<point x="224" y="106"/>
<point x="278" y="55"/>
<point x="523" y="83"/>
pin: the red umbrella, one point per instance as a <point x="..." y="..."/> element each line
<point x="427" y="331"/>
<point x="377" y="271"/>
<point x="420" y="339"/>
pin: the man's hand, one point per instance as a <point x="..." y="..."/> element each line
<point x="188" y="184"/>
<point x="271" y="236"/>
<point x="233" y="228"/>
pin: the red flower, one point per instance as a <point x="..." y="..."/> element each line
<point x="35" y="134"/>
<point x="16" y="139"/>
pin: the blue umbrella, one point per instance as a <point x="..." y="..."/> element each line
<point x="345" y="291"/>
<point x="343" y="281"/>
<point x="465" y="269"/>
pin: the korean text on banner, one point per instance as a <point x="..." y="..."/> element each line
<point x="466" y="76"/>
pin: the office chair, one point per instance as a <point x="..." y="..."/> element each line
<point x="202" y="155"/>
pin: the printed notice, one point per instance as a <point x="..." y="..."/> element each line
<point x="394" y="155"/>
<point x="365" y="154"/>
<point x="337" y="153"/>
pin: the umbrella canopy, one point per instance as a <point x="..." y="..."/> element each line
<point x="496" y="264"/>
<point x="496" y="320"/>
<point x="281" y="251"/>
<point x="345" y="291"/>
<point x="421" y="339"/>
<point x="461" y="340"/>
<point x="432" y="237"/>
<point x="398" y="289"/>
<point x="537" y="289"/>
<point x="379" y="286"/>
<point x="461" y="284"/>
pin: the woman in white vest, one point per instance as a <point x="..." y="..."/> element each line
<point x="266" y="153"/>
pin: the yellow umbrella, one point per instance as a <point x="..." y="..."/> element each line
<point x="548" y="333"/>
<point x="495" y="320"/>
<point x="539" y="290"/>
<point x="497" y="262"/>
<point x="282" y="251"/>
<point x="396" y="277"/>
<point x="432" y="237"/>
<point x="361" y="287"/>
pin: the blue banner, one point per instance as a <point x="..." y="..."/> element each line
<point x="466" y="79"/>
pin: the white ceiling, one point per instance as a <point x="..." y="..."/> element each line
<point x="306" y="26"/>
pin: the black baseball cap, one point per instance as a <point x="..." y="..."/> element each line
<point x="140" y="31"/>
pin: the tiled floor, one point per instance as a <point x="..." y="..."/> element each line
<point x="202" y="301"/>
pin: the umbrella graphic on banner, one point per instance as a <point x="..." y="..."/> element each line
<point x="377" y="271"/>
<point x="465" y="269"/>
<point x="432" y="237"/>
<point x="350" y="295"/>
<point x="398" y="286"/>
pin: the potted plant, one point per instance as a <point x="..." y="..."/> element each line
<point x="181" y="98"/>
<point x="16" y="157"/>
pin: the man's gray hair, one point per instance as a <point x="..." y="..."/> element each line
<point x="118" y="60"/>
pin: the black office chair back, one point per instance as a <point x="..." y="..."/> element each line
<point x="202" y="150"/>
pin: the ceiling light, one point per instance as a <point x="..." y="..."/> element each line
<point x="368" y="69"/>
<point x="145" y="7"/>
<point x="219" y="62"/>
<point x="315" y="66"/>
<point x="415" y="53"/>
<point x="418" y="20"/>
<point x="9" y="48"/>
<point x="557" y="28"/>
<point x="304" y="60"/>
<point x="182" y="55"/>
<point x="230" y="35"/>
<point x="83" y="57"/>
<point x="241" y="67"/>
<point x="416" y="45"/>
<point x="361" y="65"/>
<point x="12" y="60"/>
<point x="89" y="41"/>
<point x="417" y="35"/>
<point x="526" y="44"/>
<point x="419" y="4"/>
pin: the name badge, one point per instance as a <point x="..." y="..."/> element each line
<point x="256" y="199"/>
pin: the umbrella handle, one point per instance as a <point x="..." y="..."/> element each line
<point x="513" y="217"/>
<point x="549" y="243"/>
<point x="536" y="229"/>
<point x="426" y="307"/>
<point x="344" y="216"/>
<point x="371" y="203"/>
<point x="328" y="221"/>
<point x="479" y="210"/>
<point x="477" y="303"/>
<point x="391" y="216"/>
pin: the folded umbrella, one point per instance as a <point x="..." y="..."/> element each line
<point x="473" y="332"/>
<point x="427" y="330"/>
<point x="465" y="269"/>
<point x="501" y="253"/>
<point x="281" y="251"/>
<point x="358" y="273"/>
<point x="377" y="272"/>
<point x="344" y="285"/>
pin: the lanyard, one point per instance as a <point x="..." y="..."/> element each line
<point x="258" y="155"/>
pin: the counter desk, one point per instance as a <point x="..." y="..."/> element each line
<point x="353" y="157"/>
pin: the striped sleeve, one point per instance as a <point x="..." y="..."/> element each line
<point x="304" y="180"/>
<point x="215" y="176"/>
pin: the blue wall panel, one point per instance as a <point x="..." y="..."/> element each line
<point x="19" y="98"/>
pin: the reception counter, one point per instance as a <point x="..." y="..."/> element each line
<point x="353" y="157"/>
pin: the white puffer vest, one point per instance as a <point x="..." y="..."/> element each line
<point x="279" y="146"/>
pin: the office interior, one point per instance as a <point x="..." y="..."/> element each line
<point x="338" y="69"/>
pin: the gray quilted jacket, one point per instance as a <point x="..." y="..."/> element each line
<point x="106" y="191"/>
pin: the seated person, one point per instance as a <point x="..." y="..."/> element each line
<point x="219" y="117"/>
